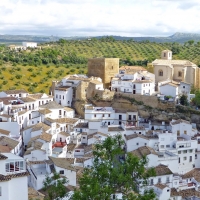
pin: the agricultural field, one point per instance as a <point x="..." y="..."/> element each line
<point x="34" y="69"/>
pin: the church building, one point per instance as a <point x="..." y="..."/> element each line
<point x="167" y="69"/>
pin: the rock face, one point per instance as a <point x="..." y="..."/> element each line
<point x="148" y="107"/>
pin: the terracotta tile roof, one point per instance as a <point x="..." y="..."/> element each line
<point x="68" y="108"/>
<point x="84" y="133"/>
<point x="62" y="88"/>
<point x="2" y="157"/>
<point x="62" y="163"/>
<point x="135" y="135"/>
<point x="161" y="186"/>
<point x="44" y="111"/>
<point x="195" y="173"/>
<point x="27" y="99"/>
<point x="7" y="100"/>
<point x="172" y="62"/>
<point x="34" y="144"/>
<point x="5" y="132"/>
<point x="143" y="151"/>
<point x="66" y="120"/>
<point x="34" y="194"/>
<point x="46" y="137"/>
<point x="22" y="112"/>
<point x="162" y="170"/>
<point x="80" y="160"/>
<point x="4" y="178"/>
<point x="52" y="105"/>
<point x="136" y="128"/>
<point x="70" y="160"/>
<point x="71" y="147"/>
<point x="39" y="96"/>
<point x="185" y="193"/>
<point x="5" y="149"/>
<point x="88" y="155"/>
<point x="64" y="134"/>
<point x="88" y="148"/>
<point x="119" y="128"/>
<point x="81" y="125"/>
<point x="40" y="126"/>
<point x="8" y="141"/>
<point x="15" y="91"/>
<point x="171" y="84"/>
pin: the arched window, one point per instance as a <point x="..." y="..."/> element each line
<point x="179" y="74"/>
<point x="160" y="72"/>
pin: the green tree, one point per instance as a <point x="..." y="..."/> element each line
<point x="183" y="100"/>
<point x="111" y="175"/>
<point x="196" y="100"/>
<point x="54" y="187"/>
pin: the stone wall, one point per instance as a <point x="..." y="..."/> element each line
<point x="105" y="68"/>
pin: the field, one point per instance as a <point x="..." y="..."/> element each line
<point x="34" y="69"/>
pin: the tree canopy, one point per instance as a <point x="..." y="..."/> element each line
<point x="114" y="172"/>
<point x="54" y="187"/>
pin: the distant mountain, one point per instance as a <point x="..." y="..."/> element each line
<point x="177" y="37"/>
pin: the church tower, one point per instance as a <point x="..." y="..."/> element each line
<point x="166" y="55"/>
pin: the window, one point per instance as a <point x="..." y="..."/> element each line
<point x="195" y="156"/>
<point x="184" y="158"/>
<point x="162" y="146"/>
<point x="185" y="132"/>
<point x="0" y="192"/>
<point x="167" y="179"/>
<point x="103" y="115"/>
<point x="145" y="144"/>
<point x="59" y="96"/>
<point x="159" y="180"/>
<point x="178" y="132"/>
<point x="61" y="171"/>
<point x="137" y="143"/>
<point x="183" y="86"/>
<point x="164" y="54"/>
<point x="184" y="151"/>
<point x="63" y="97"/>
<point x="190" y="158"/>
<point x="95" y="115"/>
<point x="108" y="123"/>
<point x="77" y="150"/>
<point x="139" y="132"/>
<point x="108" y="115"/>
<point x="179" y="152"/>
<point x="168" y="146"/>
<point x="56" y="96"/>
<point x="151" y="182"/>
<point x="190" y="150"/>
<point x="83" y="137"/>
<point x="179" y="74"/>
<point x="60" y="112"/>
<point x="160" y="73"/>
<point x="179" y="160"/>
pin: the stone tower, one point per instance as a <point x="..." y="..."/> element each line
<point x="166" y="55"/>
<point x="105" y="68"/>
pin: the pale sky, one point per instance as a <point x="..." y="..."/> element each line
<point x="102" y="17"/>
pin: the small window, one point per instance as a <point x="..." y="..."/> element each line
<point x="178" y="133"/>
<point x="63" y="97"/>
<point x="0" y="192"/>
<point x="145" y="144"/>
<point x="159" y="180"/>
<point x="108" y="115"/>
<point x="179" y="152"/>
<point x="190" y="158"/>
<point x="162" y="146"/>
<point x="103" y="115"/>
<point x="61" y="171"/>
<point x="179" y="74"/>
<point x="185" y="132"/>
<point x="184" y="158"/>
<point x="137" y="143"/>
<point x="168" y="146"/>
<point x="184" y="151"/>
<point x="160" y="73"/>
<point x="191" y="150"/>
<point x="95" y="115"/>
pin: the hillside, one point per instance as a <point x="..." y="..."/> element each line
<point x="177" y="37"/>
<point x="34" y="69"/>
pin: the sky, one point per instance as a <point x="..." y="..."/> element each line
<point x="99" y="17"/>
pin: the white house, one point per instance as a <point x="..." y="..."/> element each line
<point x="13" y="181"/>
<point x="29" y="44"/>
